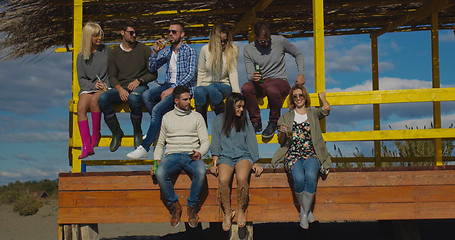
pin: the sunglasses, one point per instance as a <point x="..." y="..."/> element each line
<point x="131" y="32"/>
<point x="297" y="96"/>
<point x="173" y="31"/>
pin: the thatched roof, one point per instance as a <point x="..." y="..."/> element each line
<point x="31" y="26"/>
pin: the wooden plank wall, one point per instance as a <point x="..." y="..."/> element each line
<point x="346" y="194"/>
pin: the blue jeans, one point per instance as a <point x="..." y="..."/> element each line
<point x="216" y="92"/>
<point x="157" y="108"/>
<point x="173" y="164"/>
<point x="305" y="175"/>
<point x="112" y="96"/>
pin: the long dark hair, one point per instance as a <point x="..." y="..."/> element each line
<point x="229" y="115"/>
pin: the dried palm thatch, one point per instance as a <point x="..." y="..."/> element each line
<point x="32" y="26"/>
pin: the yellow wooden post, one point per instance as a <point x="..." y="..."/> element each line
<point x="375" y="80"/>
<point x="318" y="46"/>
<point x="251" y="27"/>
<point x="436" y="84"/>
<point x="77" y="30"/>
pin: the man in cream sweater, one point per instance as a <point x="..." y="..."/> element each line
<point x="184" y="134"/>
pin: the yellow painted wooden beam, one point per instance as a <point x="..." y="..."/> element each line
<point x="251" y="35"/>
<point x="128" y="141"/>
<point x="100" y="2"/>
<point x="387" y="159"/>
<point x="420" y="14"/>
<point x="150" y="44"/>
<point x="442" y="133"/>
<point x="352" y="98"/>
<point x="118" y="162"/>
<point x="250" y="17"/>
<point x="318" y="42"/>
<point x="389" y="135"/>
<point x="390" y="96"/>
<point x="77" y="31"/>
<point x="318" y="48"/>
<point x="76" y="162"/>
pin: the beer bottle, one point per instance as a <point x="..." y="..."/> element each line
<point x="258" y="69"/>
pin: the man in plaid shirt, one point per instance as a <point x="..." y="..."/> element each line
<point x="181" y="60"/>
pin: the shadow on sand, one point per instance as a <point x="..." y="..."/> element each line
<point x="376" y="230"/>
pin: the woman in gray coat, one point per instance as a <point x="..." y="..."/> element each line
<point x="93" y="79"/>
<point x="302" y="147"/>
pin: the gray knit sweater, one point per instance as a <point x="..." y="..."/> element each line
<point x="95" y="65"/>
<point x="272" y="60"/>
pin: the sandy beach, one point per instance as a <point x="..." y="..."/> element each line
<point x="43" y="226"/>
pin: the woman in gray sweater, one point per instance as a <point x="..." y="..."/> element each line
<point x="93" y="78"/>
<point x="234" y="147"/>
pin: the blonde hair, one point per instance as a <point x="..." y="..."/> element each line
<point x="89" y="30"/>
<point x="306" y="96"/>
<point x="216" y="50"/>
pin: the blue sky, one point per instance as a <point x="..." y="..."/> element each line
<point x="36" y="91"/>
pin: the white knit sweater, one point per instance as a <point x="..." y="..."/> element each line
<point x="182" y="131"/>
<point x="205" y="76"/>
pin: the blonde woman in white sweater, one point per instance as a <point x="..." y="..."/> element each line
<point x="217" y="71"/>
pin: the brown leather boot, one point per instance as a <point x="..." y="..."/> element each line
<point x="225" y="199"/>
<point x="193" y="218"/>
<point x="176" y="212"/>
<point x="242" y="202"/>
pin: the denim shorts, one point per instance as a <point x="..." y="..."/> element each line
<point x="233" y="161"/>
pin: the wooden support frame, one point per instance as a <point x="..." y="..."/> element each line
<point x="74" y="134"/>
<point x="423" y="12"/>
<point x="436" y="84"/>
<point x="250" y="17"/>
<point x="374" y="97"/>
<point x="375" y="82"/>
<point x="318" y="43"/>
<point x="319" y="53"/>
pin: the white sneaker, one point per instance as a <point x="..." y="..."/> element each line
<point x="139" y="153"/>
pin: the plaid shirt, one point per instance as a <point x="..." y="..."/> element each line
<point x="186" y="65"/>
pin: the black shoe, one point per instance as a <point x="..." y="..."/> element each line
<point x="257" y="127"/>
<point x="269" y="131"/>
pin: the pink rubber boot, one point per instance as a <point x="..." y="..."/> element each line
<point x="96" y="123"/>
<point x="85" y="136"/>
